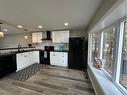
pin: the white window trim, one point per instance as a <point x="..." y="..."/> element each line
<point x="119" y="56"/>
<point x="114" y="78"/>
<point x="101" y="46"/>
<point x="117" y="59"/>
<point x="119" y="53"/>
<point x="90" y="49"/>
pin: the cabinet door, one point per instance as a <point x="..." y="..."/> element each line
<point x="21" y="61"/>
<point x="65" y="36"/>
<point x="26" y="57"/>
<point x="61" y="59"/>
<point x="35" y="57"/>
<point x="30" y="58"/>
<point x="65" y="59"/>
<point x="37" y="37"/>
<point x="56" y="37"/>
<point x="60" y="36"/>
<point x="57" y="58"/>
<point x="52" y="58"/>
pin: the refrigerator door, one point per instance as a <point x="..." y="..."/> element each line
<point x="76" y="48"/>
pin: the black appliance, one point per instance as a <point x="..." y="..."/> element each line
<point x="45" y="55"/>
<point x="47" y="35"/>
<point x="77" y="53"/>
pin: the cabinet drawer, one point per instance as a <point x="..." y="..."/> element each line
<point x="59" y="58"/>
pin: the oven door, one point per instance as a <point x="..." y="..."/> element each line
<point x="45" y="57"/>
<point x="45" y="54"/>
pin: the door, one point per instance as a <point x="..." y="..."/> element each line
<point x="76" y="46"/>
<point x="52" y="58"/>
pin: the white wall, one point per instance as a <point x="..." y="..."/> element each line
<point x="115" y="13"/>
<point x="79" y="33"/>
<point x="13" y="40"/>
<point x="104" y="7"/>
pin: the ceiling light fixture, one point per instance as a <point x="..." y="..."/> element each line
<point x="26" y="37"/>
<point x="19" y="26"/>
<point x="66" y="24"/>
<point x="5" y="30"/>
<point x="1" y="32"/>
<point x="40" y="26"/>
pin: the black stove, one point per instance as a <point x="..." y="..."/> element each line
<point x="49" y="48"/>
<point x="45" y="55"/>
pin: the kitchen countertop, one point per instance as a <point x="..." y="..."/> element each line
<point x="17" y="52"/>
<point x="15" y="48"/>
<point x="54" y="50"/>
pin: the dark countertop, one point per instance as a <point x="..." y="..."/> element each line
<point x="17" y="52"/>
<point x="15" y="48"/>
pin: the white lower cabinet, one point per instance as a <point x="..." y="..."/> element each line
<point x="59" y="59"/>
<point x="26" y="59"/>
<point x="35" y="57"/>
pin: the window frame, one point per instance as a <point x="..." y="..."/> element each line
<point x="120" y="49"/>
<point x="104" y="70"/>
<point x="90" y="45"/>
<point x="119" y="32"/>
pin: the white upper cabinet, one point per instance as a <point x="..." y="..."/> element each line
<point x="37" y="37"/>
<point x="60" y="36"/>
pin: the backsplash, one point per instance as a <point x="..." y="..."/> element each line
<point x="49" y="43"/>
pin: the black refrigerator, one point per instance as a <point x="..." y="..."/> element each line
<point x="77" y="53"/>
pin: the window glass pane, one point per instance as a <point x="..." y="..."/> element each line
<point x="123" y="74"/>
<point x="95" y="44"/>
<point x="108" y="49"/>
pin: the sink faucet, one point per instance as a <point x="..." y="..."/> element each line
<point x="19" y="47"/>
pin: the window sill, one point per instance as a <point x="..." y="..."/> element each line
<point x="102" y="83"/>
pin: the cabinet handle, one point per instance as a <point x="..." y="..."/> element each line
<point x="25" y="56"/>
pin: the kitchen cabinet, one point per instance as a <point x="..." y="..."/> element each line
<point x="59" y="59"/>
<point x="37" y="37"/>
<point x="60" y="36"/>
<point x="7" y="64"/>
<point x="35" y="57"/>
<point x="26" y="59"/>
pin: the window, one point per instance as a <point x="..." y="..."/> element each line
<point x="108" y="48"/>
<point x="110" y="45"/>
<point x="123" y="73"/>
<point x="95" y="44"/>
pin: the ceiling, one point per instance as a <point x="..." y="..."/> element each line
<point x="51" y="14"/>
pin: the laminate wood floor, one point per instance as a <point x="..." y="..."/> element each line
<point x="49" y="81"/>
